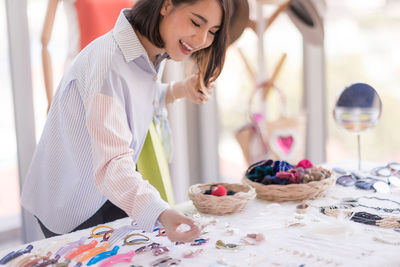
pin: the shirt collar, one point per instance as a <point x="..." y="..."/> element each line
<point x="129" y="42"/>
<point x="127" y="39"/>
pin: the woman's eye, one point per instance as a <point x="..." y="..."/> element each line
<point x="212" y="33"/>
<point x="195" y="24"/>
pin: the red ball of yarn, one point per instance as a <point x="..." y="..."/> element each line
<point x="219" y="191"/>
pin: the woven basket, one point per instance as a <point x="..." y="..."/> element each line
<point x="221" y="205"/>
<point x="291" y="192"/>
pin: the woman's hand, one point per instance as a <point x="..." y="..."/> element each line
<point x="188" y="88"/>
<point x="171" y="219"/>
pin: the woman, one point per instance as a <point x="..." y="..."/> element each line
<point x="83" y="171"/>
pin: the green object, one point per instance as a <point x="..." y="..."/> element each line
<point x="153" y="165"/>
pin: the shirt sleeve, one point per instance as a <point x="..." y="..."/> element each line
<point x="114" y="168"/>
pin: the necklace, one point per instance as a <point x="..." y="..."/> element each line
<point x="355" y="202"/>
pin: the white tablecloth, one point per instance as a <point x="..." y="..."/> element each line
<point x="313" y="238"/>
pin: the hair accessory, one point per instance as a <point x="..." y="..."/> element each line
<point x="15" y="254"/>
<point x="388" y="170"/>
<point x="103" y="255"/>
<point x="47" y="262"/>
<point x="159" y="250"/>
<point x="120" y="233"/>
<point x="355" y="202"/>
<point x="91" y="253"/>
<point x="258" y="237"/>
<point x="33" y="259"/>
<point x="346" y="180"/>
<point x="218" y="190"/>
<point x="107" y="235"/>
<point x="199" y="242"/>
<point x="305" y="163"/>
<point x="165" y="261"/>
<point x="221" y="245"/>
<point x="80" y="249"/>
<point x="138" y="241"/>
<point x="147" y="248"/>
<point x="191" y="254"/>
<point x="363" y="217"/>
<point x="70" y="246"/>
<point x="93" y="234"/>
<point x="161" y="232"/>
<point x="126" y="257"/>
<point x="302" y="208"/>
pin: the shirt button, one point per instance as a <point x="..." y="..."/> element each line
<point x="155" y="78"/>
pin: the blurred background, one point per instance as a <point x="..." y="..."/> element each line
<point x="361" y="44"/>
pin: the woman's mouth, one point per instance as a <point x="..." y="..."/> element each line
<point x="185" y="47"/>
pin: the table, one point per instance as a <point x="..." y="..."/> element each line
<point x="292" y="239"/>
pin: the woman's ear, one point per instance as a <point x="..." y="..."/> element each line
<point x="166" y="8"/>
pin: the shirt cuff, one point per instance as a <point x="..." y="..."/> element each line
<point x="148" y="217"/>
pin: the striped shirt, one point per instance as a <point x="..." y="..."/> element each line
<point x="93" y="136"/>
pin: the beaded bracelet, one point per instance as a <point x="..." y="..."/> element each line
<point x="171" y="91"/>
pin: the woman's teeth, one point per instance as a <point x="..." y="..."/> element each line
<point x="186" y="46"/>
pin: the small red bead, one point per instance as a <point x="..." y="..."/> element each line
<point x="219" y="191"/>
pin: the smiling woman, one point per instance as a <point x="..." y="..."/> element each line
<point x="186" y="27"/>
<point x="85" y="162"/>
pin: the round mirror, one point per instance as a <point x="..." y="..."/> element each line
<point x="358" y="108"/>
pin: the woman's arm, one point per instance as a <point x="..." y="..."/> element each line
<point x="188" y="88"/>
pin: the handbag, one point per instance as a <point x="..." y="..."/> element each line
<point x="279" y="139"/>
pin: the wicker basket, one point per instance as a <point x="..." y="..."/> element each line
<point x="291" y="192"/>
<point x="224" y="204"/>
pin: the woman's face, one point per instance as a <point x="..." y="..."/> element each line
<point x="189" y="28"/>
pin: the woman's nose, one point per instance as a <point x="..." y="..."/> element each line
<point x="201" y="38"/>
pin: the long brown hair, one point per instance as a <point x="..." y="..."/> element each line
<point x="145" y="17"/>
